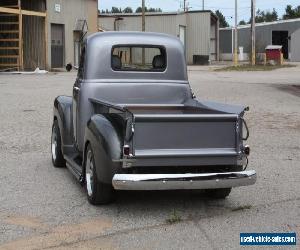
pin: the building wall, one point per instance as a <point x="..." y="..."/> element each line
<point x="70" y="12"/>
<point x="263" y="37"/>
<point x="198" y="32"/>
<point x="198" y="28"/>
<point x="226" y="41"/>
<point x="295" y="50"/>
<point x="33" y="57"/>
<point x="33" y="52"/>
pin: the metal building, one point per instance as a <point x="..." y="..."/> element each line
<point x="283" y="32"/>
<point x="43" y="33"/>
<point x="198" y="30"/>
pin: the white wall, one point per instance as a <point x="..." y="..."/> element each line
<point x="295" y="46"/>
<point x="198" y="29"/>
<point x="71" y="10"/>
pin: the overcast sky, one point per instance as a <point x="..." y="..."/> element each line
<point x="226" y="6"/>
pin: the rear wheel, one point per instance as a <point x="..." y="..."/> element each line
<point x="97" y="192"/>
<point x="57" y="155"/>
<point x="221" y="193"/>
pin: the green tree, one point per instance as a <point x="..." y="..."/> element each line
<point x="265" y="16"/>
<point x="139" y="10"/>
<point x="271" y="16"/>
<point x="116" y="10"/>
<point x="291" y="13"/>
<point x="222" y="19"/>
<point x="242" y="22"/>
<point x="154" y="10"/>
<point x="128" y="10"/>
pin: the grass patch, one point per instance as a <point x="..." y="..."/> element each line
<point x="241" y="208"/>
<point x="248" y="67"/>
<point x="174" y="218"/>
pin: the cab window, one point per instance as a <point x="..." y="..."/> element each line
<point x="138" y="58"/>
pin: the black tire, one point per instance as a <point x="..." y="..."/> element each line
<point x="98" y="193"/>
<point x="57" y="155"/>
<point x="221" y="193"/>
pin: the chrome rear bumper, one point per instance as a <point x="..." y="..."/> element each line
<point x="183" y="181"/>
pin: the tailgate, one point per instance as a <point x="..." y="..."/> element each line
<point x="183" y="139"/>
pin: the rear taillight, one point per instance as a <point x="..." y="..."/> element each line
<point x="126" y="150"/>
<point x="247" y="150"/>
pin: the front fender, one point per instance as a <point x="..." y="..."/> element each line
<point x="106" y="143"/>
<point x="62" y="111"/>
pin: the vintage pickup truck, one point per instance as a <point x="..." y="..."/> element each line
<point x="133" y="123"/>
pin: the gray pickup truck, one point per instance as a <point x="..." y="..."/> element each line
<point x="133" y="123"/>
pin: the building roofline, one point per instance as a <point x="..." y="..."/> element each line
<point x="155" y="13"/>
<point x="264" y="24"/>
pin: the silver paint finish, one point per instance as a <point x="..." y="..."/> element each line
<point x="165" y="125"/>
<point x="116" y="88"/>
<point x="183" y="181"/>
<point x="99" y="49"/>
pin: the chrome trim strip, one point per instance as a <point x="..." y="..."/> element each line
<point x="183" y="181"/>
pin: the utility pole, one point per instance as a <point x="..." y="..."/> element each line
<point x="143" y="16"/>
<point x="202" y="4"/>
<point x="143" y="29"/>
<point x="235" y="60"/>
<point x="184" y="5"/>
<point x="253" y="51"/>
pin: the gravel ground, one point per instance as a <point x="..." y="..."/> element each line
<point x="42" y="207"/>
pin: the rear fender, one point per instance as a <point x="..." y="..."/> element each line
<point x="106" y="143"/>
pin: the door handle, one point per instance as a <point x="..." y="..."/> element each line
<point x="76" y="89"/>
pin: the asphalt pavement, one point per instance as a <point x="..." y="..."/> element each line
<point x="46" y="208"/>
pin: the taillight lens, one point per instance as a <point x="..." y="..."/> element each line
<point x="126" y="150"/>
<point x="247" y="150"/>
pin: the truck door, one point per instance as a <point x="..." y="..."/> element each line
<point x="76" y="97"/>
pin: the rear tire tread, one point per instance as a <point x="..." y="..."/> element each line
<point x="102" y="193"/>
<point x="59" y="162"/>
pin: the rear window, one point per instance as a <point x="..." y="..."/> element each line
<point x="138" y="58"/>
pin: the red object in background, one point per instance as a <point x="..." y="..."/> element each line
<point x="273" y="52"/>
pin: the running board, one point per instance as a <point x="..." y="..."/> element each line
<point x="73" y="166"/>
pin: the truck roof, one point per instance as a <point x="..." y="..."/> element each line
<point x="99" y="54"/>
<point x="148" y="37"/>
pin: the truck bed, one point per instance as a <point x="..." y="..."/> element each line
<point x="190" y="134"/>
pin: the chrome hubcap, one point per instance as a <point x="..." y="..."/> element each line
<point x="89" y="172"/>
<point x="53" y="144"/>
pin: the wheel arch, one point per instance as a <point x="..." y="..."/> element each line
<point x="62" y="112"/>
<point x="106" y="145"/>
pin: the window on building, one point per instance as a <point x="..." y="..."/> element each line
<point x="138" y="58"/>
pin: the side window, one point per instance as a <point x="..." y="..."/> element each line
<point x="81" y="64"/>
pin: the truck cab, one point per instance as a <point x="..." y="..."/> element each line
<point x="133" y="123"/>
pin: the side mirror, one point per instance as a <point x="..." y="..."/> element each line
<point x="69" y="67"/>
